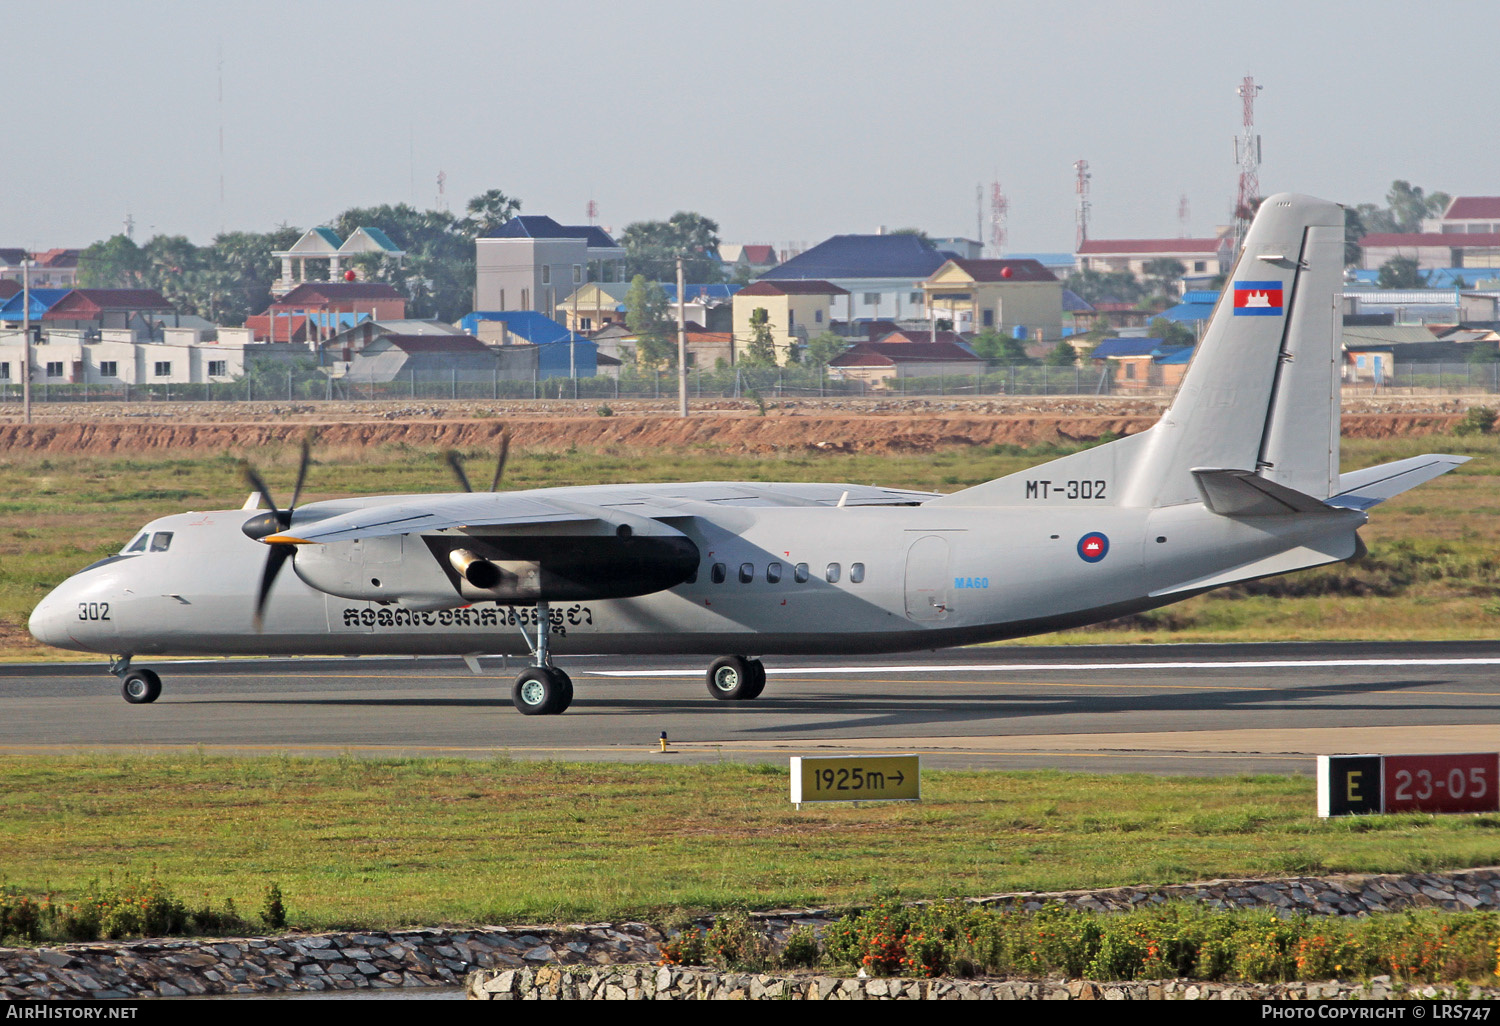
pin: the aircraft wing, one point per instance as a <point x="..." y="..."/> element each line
<point x="418" y="513"/>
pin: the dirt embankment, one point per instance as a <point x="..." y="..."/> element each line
<point x="731" y="432"/>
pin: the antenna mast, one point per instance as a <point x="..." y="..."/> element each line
<point x="1247" y="156"/>
<point x="999" y="209"/>
<point x="1081" y="186"/>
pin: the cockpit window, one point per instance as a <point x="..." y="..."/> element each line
<point x="139" y="545"/>
<point x="161" y="541"/>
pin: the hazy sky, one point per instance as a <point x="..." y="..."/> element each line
<point x="783" y="121"/>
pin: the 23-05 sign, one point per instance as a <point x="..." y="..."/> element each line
<point x="1352" y="785"/>
<point x="857" y="778"/>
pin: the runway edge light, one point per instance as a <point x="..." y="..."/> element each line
<point x="856" y="778"/>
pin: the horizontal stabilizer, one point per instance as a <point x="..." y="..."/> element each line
<point x="1361" y="489"/>
<point x="1243" y="493"/>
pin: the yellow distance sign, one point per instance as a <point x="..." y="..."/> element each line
<point x="856" y="778"/>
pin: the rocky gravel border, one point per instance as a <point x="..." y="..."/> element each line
<point x="445" y="957"/>
<point x="651" y="983"/>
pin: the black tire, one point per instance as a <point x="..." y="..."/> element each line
<point x="733" y="679"/>
<point x="757" y="679"/>
<point x="140" y="687"/>
<point x="542" y="691"/>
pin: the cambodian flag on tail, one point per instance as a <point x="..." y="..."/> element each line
<point x="1257" y="299"/>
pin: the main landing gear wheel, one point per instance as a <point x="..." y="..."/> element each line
<point x="140" y="687"/>
<point x="542" y="691"/>
<point x="736" y="679"/>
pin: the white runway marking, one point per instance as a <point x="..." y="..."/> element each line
<point x="1236" y="664"/>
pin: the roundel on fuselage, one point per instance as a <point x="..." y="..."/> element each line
<point x="1093" y="547"/>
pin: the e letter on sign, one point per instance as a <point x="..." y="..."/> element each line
<point x="1355" y="785"/>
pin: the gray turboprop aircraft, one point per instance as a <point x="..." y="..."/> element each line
<point x="1239" y="479"/>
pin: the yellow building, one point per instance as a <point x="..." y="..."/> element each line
<point x="996" y="295"/>
<point x="796" y="311"/>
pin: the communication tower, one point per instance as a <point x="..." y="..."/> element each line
<point x="1247" y="156"/>
<point x="1182" y="216"/>
<point x="999" y="210"/>
<point x="442" y="198"/>
<point x="1081" y="186"/>
<point x="593" y="211"/>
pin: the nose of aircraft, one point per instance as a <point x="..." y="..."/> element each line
<point x="47" y="623"/>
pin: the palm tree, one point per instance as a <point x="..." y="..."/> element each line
<point x="488" y="211"/>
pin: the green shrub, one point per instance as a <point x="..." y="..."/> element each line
<point x="1479" y="420"/>
<point x="735" y="942"/>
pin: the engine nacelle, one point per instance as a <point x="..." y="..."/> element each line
<point x="571" y="561"/>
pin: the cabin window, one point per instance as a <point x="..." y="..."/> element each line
<point x="773" y="573"/>
<point x="139" y="545"/>
<point x="717" y="573"/>
<point x="800" y="574"/>
<point x="747" y="573"/>
<point x="161" y="541"/>
<point x="856" y="573"/>
<point x="692" y="578"/>
<point x="832" y="573"/>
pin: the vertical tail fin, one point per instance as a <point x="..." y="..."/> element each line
<point x="1262" y="393"/>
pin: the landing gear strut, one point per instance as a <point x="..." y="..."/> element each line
<point x="543" y="689"/>
<point x="736" y="678"/>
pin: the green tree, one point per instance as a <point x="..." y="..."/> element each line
<point x="1401" y="273"/>
<point x="116" y="263"/>
<point x="1105" y="286"/>
<point x="821" y="349"/>
<point x="760" y="351"/>
<point x="652" y="248"/>
<point x="1163" y="275"/>
<point x="488" y="211"/>
<point x="1061" y="355"/>
<point x="1410" y="206"/>
<point x="996" y="347"/>
<point x="1172" y="333"/>
<point x="646" y="316"/>
<point x="437" y="273"/>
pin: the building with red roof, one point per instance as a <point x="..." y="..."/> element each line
<point x="796" y="310"/>
<point x="1197" y="256"/>
<point x="996" y="295"/>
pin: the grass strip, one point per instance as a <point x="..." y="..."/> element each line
<point x="357" y="843"/>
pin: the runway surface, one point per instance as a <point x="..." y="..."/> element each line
<point x="1191" y="709"/>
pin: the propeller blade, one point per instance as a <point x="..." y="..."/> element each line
<point x="301" y="474"/>
<point x="456" y="464"/>
<point x="255" y="481"/>
<point x="500" y="464"/>
<point x="278" y="555"/>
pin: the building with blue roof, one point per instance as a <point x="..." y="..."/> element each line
<point x="882" y="274"/>
<point x="13" y="310"/>
<point x="532" y="263"/>
<point x="560" y="353"/>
